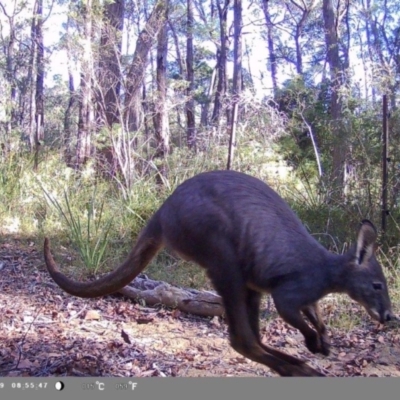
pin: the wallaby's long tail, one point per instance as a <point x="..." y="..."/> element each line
<point x="147" y="245"/>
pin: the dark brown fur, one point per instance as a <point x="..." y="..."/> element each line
<point x="250" y="242"/>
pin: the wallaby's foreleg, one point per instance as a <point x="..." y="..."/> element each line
<point x="253" y="300"/>
<point x="291" y="313"/>
<point x="313" y="314"/>
<point x="230" y="286"/>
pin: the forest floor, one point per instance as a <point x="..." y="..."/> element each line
<point x="46" y="332"/>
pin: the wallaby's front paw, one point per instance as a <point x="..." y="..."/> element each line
<point x="313" y="344"/>
<point x="318" y="344"/>
<point x="325" y="345"/>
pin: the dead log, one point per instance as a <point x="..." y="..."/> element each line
<point x="193" y="301"/>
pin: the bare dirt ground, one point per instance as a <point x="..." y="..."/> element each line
<point x="46" y="332"/>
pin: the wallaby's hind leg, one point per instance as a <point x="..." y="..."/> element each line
<point x="313" y="314"/>
<point x="253" y="300"/>
<point x="229" y="284"/>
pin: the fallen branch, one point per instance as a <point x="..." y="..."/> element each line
<point x="189" y="300"/>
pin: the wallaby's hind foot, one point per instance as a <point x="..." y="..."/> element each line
<point x="299" y="371"/>
<point x="279" y="362"/>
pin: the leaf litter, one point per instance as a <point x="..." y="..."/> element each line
<point x="46" y="332"/>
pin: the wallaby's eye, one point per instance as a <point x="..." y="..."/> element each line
<point x="377" y="285"/>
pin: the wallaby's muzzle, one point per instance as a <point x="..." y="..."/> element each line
<point x="383" y="316"/>
<point x="389" y="316"/>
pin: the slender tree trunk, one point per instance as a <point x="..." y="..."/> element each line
<point x="177" y="50"/>
<point x="374" y="41"/>
<point x="68" y="116"/>
<point x="10" y="76"/>
<point x="346" y="42"/>
<point x="222" y="54"/>
<point x="299" y="12"/>
<point x="299" y="54"/>
<point x="147" y="115"/>
<point x="31" y="89"/>
<point x="190" y="119"/>
<point x="272" y="64"/>
<point x="205" y="107"/>
<point x="237" y="78"/>
<point x="39" y="97"/>
<point x="370" y="47"/>
<point x="161" y="116"/>
<point x="182" y="71"/>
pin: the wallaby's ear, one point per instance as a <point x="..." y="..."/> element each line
<point x="367" y="236"/>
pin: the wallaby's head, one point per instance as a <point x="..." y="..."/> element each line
<point x="366" y="282"/>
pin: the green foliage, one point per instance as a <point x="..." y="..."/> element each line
<point x="305" y="104"/>
<point x="11" y="170"/>
<point x="88" y="233"/>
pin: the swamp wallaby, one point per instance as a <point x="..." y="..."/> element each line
<point x="250" y="242"/>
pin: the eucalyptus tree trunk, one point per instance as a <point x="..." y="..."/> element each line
<point x="136" y="72"/>
<point x="86" y="116"/>
<point x="109" y="79"/>
<point x="110" y="70"/>
<point x="339" y="148"/>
